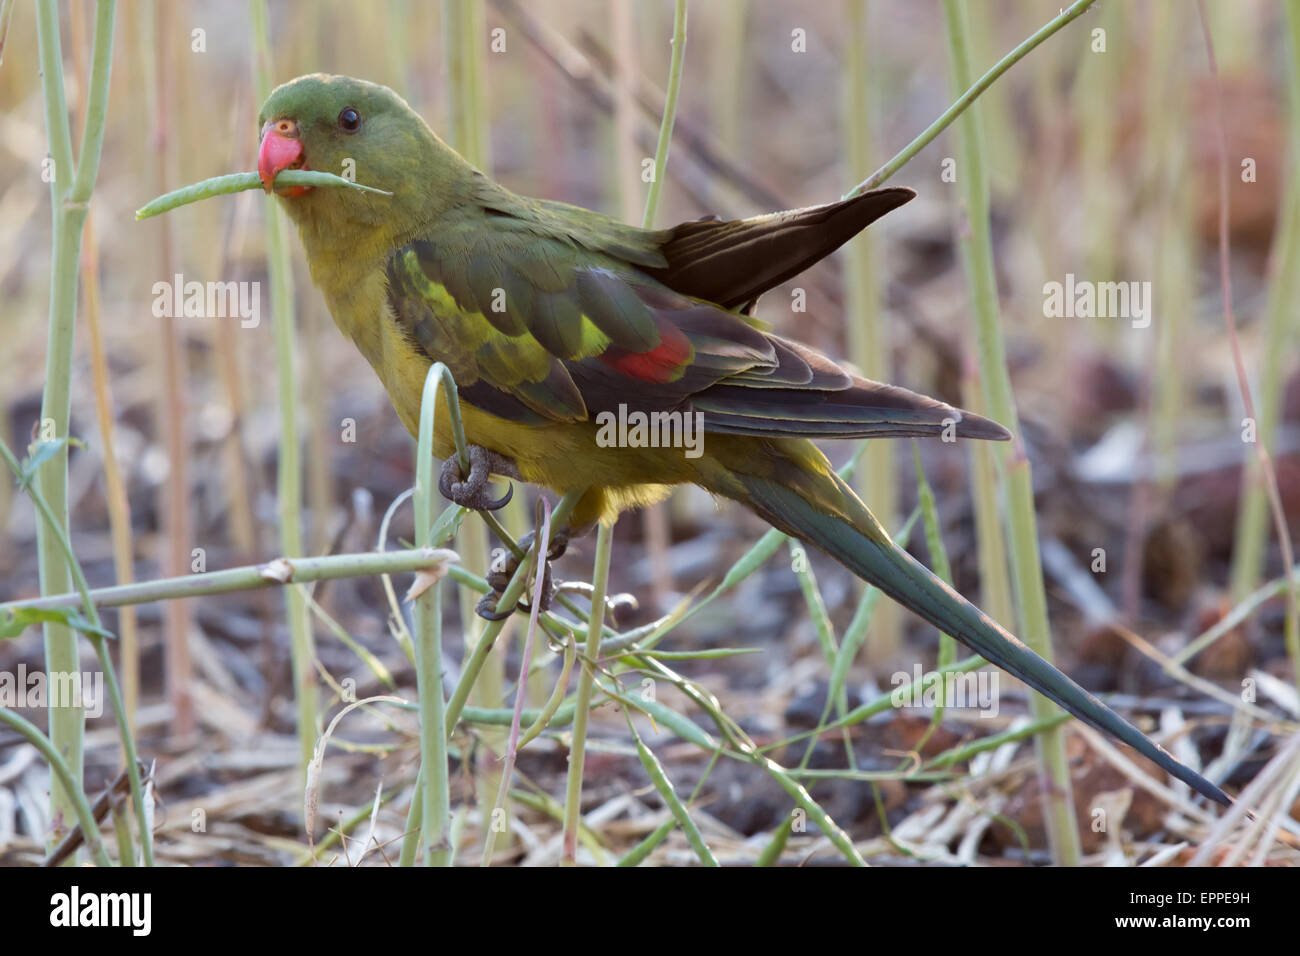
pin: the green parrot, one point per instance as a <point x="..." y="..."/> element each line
<point x="553" y="318"/>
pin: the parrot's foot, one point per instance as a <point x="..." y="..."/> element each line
<point x="504" y="568"/>
<point x="472" y="491"/>
<point x="486" y="608"/>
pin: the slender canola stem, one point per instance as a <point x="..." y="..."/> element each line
<point x="1022" y="534"/>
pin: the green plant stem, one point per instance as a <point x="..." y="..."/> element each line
<point x="435" y="796"/>
<point x="122" y="831"/>
<point x="70" y="190"/>
<point x="232" y="183"/>
<point x="537" y="568"/>
<point x="668" y="793"/>
<point x="965" y="751"/>
<point x="1022" y="534"/>
<point x="252" y="577"/>
<point x="746" y="750"/>
<point x="463" y="41"/>
<point x="1166" y="172"/>
<point x="302" y="649"/>
<point x="869" y="333"/>
<point x="509" y="598"/>
<point x="543" y="718"/>
<point x="1097" y="85"/>
<point x="436" y="716"/>
<point x="60" y="770"/>
<point x="1073" y="12"/>
<point x="58" y="126"/>
<point x="943" y="571"/>
<point x="995" y="583"/>
<point x="1239" y="613"/>
<point x="670" y="113"/>
<point x="469" y="675"/>
<point x="123" y="719"/>
<point x="1250" y="541"/>
<point x="65" y="723"/>
<point x="92" y="134"/>
<point x="414" y="820"/>
<point x="120" y="714"/>
<point x="586" y="682"/>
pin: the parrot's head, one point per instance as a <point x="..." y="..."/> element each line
<point x="363" y="132"/>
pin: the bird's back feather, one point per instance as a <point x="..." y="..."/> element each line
<point x="542" y="314"/>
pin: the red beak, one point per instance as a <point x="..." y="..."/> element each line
<point x="280" y="150"/>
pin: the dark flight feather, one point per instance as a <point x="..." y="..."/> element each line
<point x="733" y="263"/>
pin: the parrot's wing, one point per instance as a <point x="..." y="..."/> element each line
<point x="543" y="318"/>
<point x="534" y="324"/>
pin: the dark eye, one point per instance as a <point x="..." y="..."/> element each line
<point x="349" y="120"/>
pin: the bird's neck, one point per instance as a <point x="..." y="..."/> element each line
<point x="362" y="229"/>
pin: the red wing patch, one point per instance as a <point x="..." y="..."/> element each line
<point x="661" y="364"/>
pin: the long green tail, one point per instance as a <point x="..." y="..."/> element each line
<point x="867" y="551"/>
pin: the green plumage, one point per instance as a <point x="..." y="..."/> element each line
<point x="550" y="316"/>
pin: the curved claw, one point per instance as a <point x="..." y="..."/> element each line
<point x="498" y="581"/>
<point x="471" y="491"/>
<point x="502" y="501"/>
<point x="445" y="479"/>
<point x="499" y="576"/>
<point x="558" y="544"/>
<point x="486" y="608"/>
